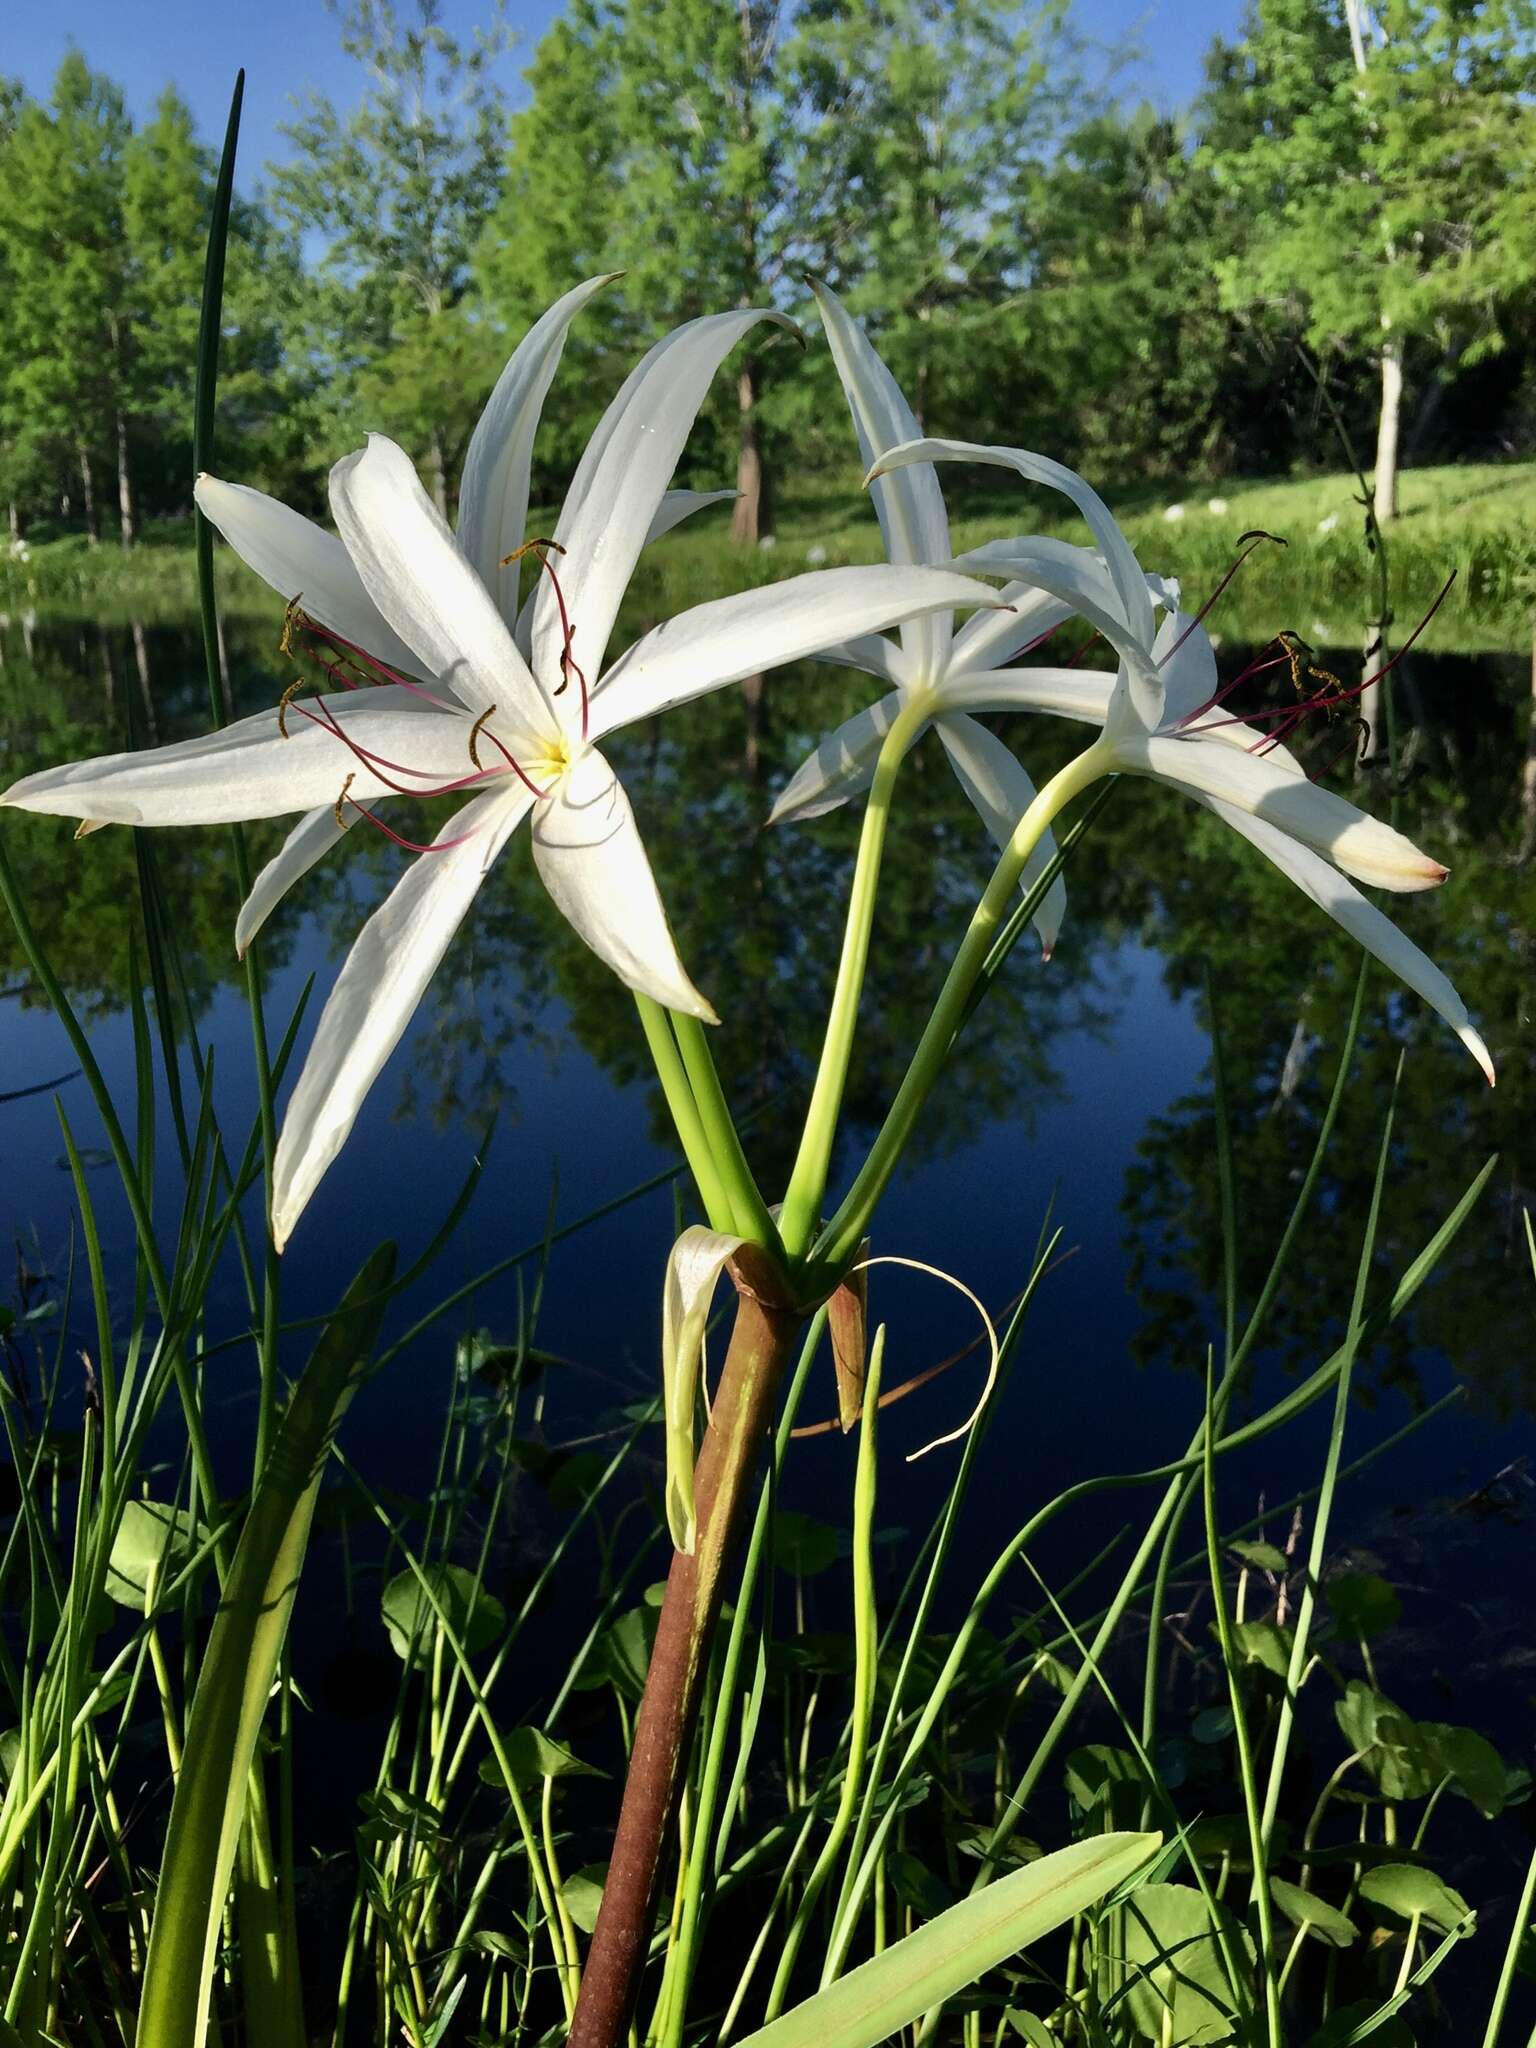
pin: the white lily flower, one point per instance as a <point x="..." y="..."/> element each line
<point x="509" y="713"/>
<point x="1161" y="715"/>
<point x="931" y="652"/>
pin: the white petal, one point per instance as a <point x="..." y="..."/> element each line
<point x="493" y="494"/>
<point x="909" y="502"/>
<point x="694" y="1266"/>
<point x="1080" y="693"/>
<point x="309" y="841"/>
<point x="1362" y="920"/>
<point x="429" y="593"/>
<point x="873" y="655"/>
<point x="302" y="561"/>
<point x="731" y="637"/>
<point x="249" y="770"/>
<point x="1002" y="792"/>
<point x="1186" y="662"/>
<point x="1040" y="469"/>
<point x="619" y="483"/>
<point x="676" y="506"/>
<point x="587" y="849"/>
<point x="395" y="956"/>
<point x="1362" y="846"/>
<point x="988" y="638"/>
<point x="841" y="766"/>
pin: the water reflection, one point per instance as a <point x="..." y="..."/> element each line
<point x="753" y="910"/>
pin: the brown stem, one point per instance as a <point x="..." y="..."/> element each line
<point x="762" y="1340"/>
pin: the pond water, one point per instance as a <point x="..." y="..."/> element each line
<point x="1084" y="1092"/>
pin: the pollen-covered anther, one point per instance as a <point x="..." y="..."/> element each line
<point x="294" y="620"/>
<point x="341" y="823"/>
<point x="475" y="731"/>
<point x="283" y="703"/>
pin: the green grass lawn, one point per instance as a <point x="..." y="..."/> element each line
<point x="1478" y="520"/>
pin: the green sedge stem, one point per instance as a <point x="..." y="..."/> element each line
<point x="685" y="1113"/>
<point x="808" y="1181"/>
<point x="845" y="1232"/>
<point x="726" y="1155"/>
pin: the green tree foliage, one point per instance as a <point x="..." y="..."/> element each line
<point x="399" y="189"/>
<point x="1381" y="185"/>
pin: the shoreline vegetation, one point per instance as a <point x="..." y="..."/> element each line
<point x="1475" y="520"/>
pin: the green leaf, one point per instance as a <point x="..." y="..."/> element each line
<point x="476" y="1617"/>
<point x="622" y="1655"/>
<point x="1474" y="1763"/>
<point x="1406" y="1890"/>
<point x="152" y="1539"/>
<point x="804" y="1546"/>
<point x="1352" y="2023"/>
<point x="1266" y="1643"/>
<point x="1181" y="1992"/>
<point x="1305" y="1909"/>
<point x="10" y="1750"/>
<point x="535" y="1756"/>
<point x="583" y="1894"/>
<point x="916" y="1886"/>
<point x="1363" y="1605"/>
<point x="1033" y="2030"/>
<point x="1105" y="1781"/>
<point x="1263" y="1557"/>
<point x="1213" y="1724"/>
<point x="881" y="1997"/>
<point x="1398" y="1755"/>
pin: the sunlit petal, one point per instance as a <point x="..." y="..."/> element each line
<point x="493" y="494"/>
<point x="1362" y="920"/>
<point x="249" y="770"/>
<point x="304" y="564"/>
<point x="676" y="506"/>
<point x="427" y="590"/>
<point x="309" y="841"/>
<point x="1080" y="693"/>
<point x="989" y="638"/>
<point x="588" y="851"/>
<point x="840" y="767"/>
<point x="1002" y="792"/>
<point x="1186" y="661"/>
<point x="694" y="1266"/>
<point x="395" y="956"/>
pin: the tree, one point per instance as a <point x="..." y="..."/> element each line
<point x="400" y="189"/>
<point x="1384" y="183"/>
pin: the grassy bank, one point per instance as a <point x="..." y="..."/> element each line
<point x="1478" y="520"/>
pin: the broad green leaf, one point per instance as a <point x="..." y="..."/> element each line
<point x="1033" y="2030"/>
<point x="1405" y="1889"/>
<point x="1352" y="2023"/>
<point x="535" y="1756"/>
<point x="1474" y="1763"/>
<point x="476" y="1617"/>
<point x="1398" y="1755"/>
<point x="1266" y="1643"/>
<point x="1362" y="1604"/>
<point x="1105" y="1781"/>
<point x="805" y="1546"/>
<point x="1180" y="1991"/>
<point x="583" y="1894"/>
<point x="1305" y="1909"/>
<point x="1263" y="1557"/>
<point x="878" y="1999"/>
<point x="10" y="1750"/>
<point x="621" y="1655"/>
<point x="1213" y="1724"/>
<point x="153" y="1539"/>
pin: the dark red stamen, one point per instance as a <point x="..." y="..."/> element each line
<point x="568" y="664"/>
<point x="1074" y="659"/>
<point x="326" y="719"/>
<point x="410" y="845"/>
<point x="1255" y="539"/>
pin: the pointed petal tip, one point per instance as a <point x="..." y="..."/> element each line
<point x="87" y="826"/>
<point x="1473" y="1041"/>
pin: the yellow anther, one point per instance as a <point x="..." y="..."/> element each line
<point x="341" y="822"/>
<point x="475" y="731"/>
<point x="293" y="618"/>
<point x="284" y="701"/>
<point x="527" y="547"/>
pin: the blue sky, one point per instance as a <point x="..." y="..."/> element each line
<point x="288" y="45"/>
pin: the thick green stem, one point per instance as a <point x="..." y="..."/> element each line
<point x="747" y="1204"/>
<point x="808" y="1181"/>
<point x="761" y="1344"/>
<point x="685" y="1113"/>
<point x="844" y="1233"/>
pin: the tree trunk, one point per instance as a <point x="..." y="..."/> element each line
<point x="127" y="519"/>
<point x="752" y="688"/>
<point x="15" y="512"/>
<point x="87" y="493"/>
<point x="146" y="693"/>
<point x="752" y="519"/>
<point x="1388" y="427"/>
<point x="1372" y="712"/>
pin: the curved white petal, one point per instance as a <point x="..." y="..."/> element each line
<point x="1362" y="846"/>
<point x="1040" y="469"/>
<point x="395" y="955"/>
<point x="1186" y="662"/>
<point x="1002" y="792"/>
<point x="619" y="484"/>
<point x="676" y="506"/>
<point x="249" y="770"/>
<point x="731" y="637"/>
<point x="694" y="1266"/>
<point x="1080" y="693"/>
<point x="309" y="841"/>
<point x="429" y="593"/>
<point x="873" y="655"/>
<point x="588" y="851"/>
<point x="302" y="561"/>
<point x="493" y="494"/>
<point x="909" y="502"/>
<point x="1361" y="919"/>
<point x="989" y="638"/>
<point x="842" y="765"/>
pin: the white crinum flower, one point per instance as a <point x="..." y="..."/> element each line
<point x="930" y="650"/>
<point x="506" y="704"/>
<point x="1161" y="715"/>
